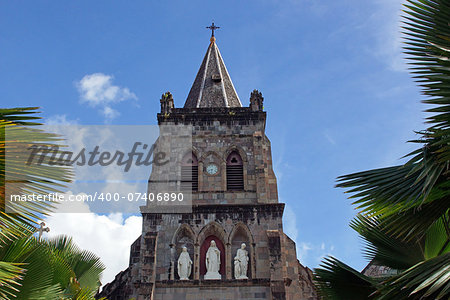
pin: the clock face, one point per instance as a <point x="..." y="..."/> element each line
<point x="211" y="169"/>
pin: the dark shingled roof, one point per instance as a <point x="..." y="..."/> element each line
<point x="212" y="86"/>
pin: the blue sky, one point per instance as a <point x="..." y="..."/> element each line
<point x="336" y="88"/>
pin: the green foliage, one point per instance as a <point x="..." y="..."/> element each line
<point x="404" y="218"/>
<point x="10" y="276"/>
<point x="385" y="249"/>
<point x="428" y="279"/>
<point x="339" y="281"/>
<point x="18" y="132"/>
<point x="32" y="268"/>
<point x="55" y="269"/>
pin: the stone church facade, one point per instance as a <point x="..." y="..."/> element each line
<point x="234" y="202"/>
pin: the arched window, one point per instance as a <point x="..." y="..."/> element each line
<point x="235" y="172"/>
<point x="189" y="172"/>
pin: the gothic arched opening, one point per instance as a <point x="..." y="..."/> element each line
<point x="189" y="172"/>
<point x="235" y="172"/>
<point x="184" y="237"/>
<point x="239" y="236"/>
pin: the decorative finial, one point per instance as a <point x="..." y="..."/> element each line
<point x="166" y="103"/>
<point x="212" y="28"/>
<point x="256" y="101"/>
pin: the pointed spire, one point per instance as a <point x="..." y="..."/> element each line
<point x="212" y="86"/>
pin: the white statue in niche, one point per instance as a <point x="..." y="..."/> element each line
<point x="213" y="262"/>
<point x="184" y="265"/>
<point x="237" y="268"/>
<point x="241" y="263"/>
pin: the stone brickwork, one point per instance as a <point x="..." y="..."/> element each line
<point x="227" y="291"/>
<point x="216" y="133"/>
<point x="250" y="215"/>
<point x="274" y="271"/>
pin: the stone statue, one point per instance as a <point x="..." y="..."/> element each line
<point x="184" y="265"/>
<point x="241" y="263"/>
<point x="237" y="268"/>
<point x="213" y="262"/>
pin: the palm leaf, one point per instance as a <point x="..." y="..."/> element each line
<point x="37" y="263"/>
<point x="85" y="267"/>
<point x="426" y="280"/>
<point x="338" y="281"/>
<point x="20" y="179"/>
<point x="10" y="276"/>
<point x="385" y="249"/>
<point x="18" y="219"/>
<point x="405" y="209"/>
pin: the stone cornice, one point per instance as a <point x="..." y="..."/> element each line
<point x="223" y="114"/>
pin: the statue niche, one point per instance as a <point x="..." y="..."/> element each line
<point x="212" y="262"/>
<point x="184" y="265"/>
<point x="241" y="252"/>
<point x="212" y="258"/>
<point x="183" y="238"/>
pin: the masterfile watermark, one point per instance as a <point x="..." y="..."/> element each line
<point x="53" y="156"/>
<point x="115" y="168"/>
<point x="101" y="197"/>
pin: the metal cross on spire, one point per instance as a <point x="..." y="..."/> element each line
<point x="212" y="28"/>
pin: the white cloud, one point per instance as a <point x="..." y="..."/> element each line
<point x="110" y="113"/>
<point x="97" y="90"/>
<point x="302" y="251"/>
<point x="109" y="237"/>
<point x="60" y="120"/>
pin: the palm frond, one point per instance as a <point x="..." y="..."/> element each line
<point x="11" y="274"/>
<point x="20" y="115"/>
<point x="337" y="281"/>
<point x="385" y="249"/>
<point x="426" y="22"/>
<point x="426" y="280"/>
<point x="405" y="209"/>
<point x="20" y="178"/>
<point x="36" y="282"/>
<point x="85" y="267"/>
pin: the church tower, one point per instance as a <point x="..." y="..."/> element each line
<point x="231" y="245"/>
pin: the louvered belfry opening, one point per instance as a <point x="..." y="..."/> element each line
<point x="235" y="172"/>
<point x="189" y="173"/>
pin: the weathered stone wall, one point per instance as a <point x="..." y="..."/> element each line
<point x="216" y="132"/>
<point x="252" y="216"/>
<point x="231" y="224"/>
<point x="120" y="288"/>
<point x="298" y="279"/>
<point x="224" y="292"/>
